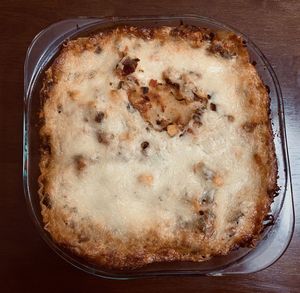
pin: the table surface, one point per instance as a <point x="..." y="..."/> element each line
<point x="27" y="263"/>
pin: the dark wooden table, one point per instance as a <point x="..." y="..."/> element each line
<point x="26" y="263"/>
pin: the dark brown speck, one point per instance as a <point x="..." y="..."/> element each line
<point x="102" y="138"/>
<point x="99" y="117"/>
<point x="249" y="126"/>
<point x="213" y="107"/>
<point x="46" y="201"/>
<point x="120" y="84"/>
<point x="230" y="118"/>
<point x="98" y="50"/>
<point x="145" y="89"/>
<point x="144" y="145"/>
<point x="129" y="65"/>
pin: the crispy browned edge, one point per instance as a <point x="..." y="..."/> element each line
<point x="267" y="164"/>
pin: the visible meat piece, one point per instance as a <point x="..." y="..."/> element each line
<point x="126" y="66"/>
<point x="174" y="102"/>
<point x="160" y="108"/>
<point x="129" y="65"/>
<point x="173" y="84"/>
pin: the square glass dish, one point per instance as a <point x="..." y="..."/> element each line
<point x="278" y="230"/>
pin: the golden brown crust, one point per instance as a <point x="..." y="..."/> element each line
<point x="194" y="242"/>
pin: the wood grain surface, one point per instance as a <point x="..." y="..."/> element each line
<point x="27" y="263"/>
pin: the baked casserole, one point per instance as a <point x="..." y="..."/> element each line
<point x="157" y="146"/>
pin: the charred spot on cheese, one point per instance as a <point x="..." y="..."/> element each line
<point x="98" y="50"/>
<point x="129" y="108"/>
<point x="103" y="138"/>
<point x="211" y="35"/>
<point x="99" y="117"/>
<point x="230" y="118"/>
<point x="144" y="145"/>
<point x="59" y="108"/>
<point x="80" y="162"/>
<point x="249" y="126"/>
<point x="213" y="107"/>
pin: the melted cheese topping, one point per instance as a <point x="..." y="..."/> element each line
<point x="100" y="168"/>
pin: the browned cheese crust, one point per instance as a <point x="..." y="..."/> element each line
<point x="114" y="102"/>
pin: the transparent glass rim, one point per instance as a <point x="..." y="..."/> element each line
<point x="29" y="80"/>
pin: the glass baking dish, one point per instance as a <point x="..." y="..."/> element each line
<point x="278" y="229"/>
